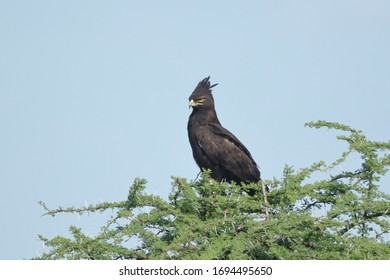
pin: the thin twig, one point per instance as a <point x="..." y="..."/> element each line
<point x="264" y="188"/>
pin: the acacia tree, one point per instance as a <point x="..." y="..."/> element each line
<point x="340" y="216"/>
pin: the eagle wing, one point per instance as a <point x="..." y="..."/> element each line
<point x="225" y="151"/>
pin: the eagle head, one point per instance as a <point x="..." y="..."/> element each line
<point x="201" y="97"/>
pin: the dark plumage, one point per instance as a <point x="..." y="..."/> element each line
<point x="213" y="146"/>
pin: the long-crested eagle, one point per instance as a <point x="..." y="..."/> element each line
<point x="213" y="146"/>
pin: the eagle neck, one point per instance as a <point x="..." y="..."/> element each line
<point x="204" y="117"/>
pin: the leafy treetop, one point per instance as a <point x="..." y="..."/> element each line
<point x="342" y="216"/>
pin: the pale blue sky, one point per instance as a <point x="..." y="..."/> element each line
<point x="94" y="94"/>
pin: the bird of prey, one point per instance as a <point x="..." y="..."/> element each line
<point x="213" y="146"/>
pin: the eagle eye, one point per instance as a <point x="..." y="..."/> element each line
<point x="201" y="100"/>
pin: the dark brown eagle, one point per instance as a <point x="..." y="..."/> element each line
<point x="213" y="146"/>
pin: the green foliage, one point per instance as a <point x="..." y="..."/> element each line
<point x="338" y="216"/>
